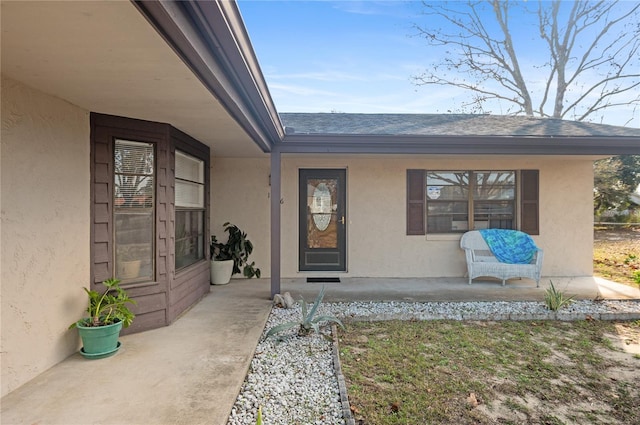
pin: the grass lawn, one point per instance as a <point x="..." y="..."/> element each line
<point x="616" y="255"/>
<point x="448" y="372"/>
<point x="543" y="372"/>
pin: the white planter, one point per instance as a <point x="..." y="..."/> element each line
<point x="221" y="272"/>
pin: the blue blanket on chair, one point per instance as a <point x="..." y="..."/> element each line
<point x="510" y="246"/>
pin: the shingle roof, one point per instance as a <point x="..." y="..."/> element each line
<point x="444" y="125"/>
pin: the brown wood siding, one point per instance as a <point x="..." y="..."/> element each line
<point x="529" y="202"/>
<point x="157" y="304"/>
<point x="415" y="202"/>
<point x="163" y="225"/>
<point x="188" y="287"/>
<point x="101" y="188"/>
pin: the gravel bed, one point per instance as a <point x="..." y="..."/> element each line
<point x="295" y="380"/>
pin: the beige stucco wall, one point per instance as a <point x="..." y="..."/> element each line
<point x="45" y="230"/>
<point x="240" y="194"/>
<point x="376" y="191"/>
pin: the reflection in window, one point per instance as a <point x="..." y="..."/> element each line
<point x="190" y="210"/>
<point x="134" y="211"/>
<point x="452" y="195"/>
<point x="494" y="200"/>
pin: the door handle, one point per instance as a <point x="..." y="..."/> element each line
<point x="342" y="220"/>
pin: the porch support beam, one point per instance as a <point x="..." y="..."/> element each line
<point x="276" y="195"/>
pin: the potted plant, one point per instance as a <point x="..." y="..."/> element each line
<point x="108" y="314"/>
<point x="231" y="257"/>
<point x="129" y="263"/>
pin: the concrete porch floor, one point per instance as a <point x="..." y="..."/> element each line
<point x="191" y="371"/>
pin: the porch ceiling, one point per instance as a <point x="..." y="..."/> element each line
<point x="105" y="57"/>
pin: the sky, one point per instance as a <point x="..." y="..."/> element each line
<point x="360" y="56"/>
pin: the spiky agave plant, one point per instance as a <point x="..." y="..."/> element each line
<point x="555" y="299"/>
<point x="310" y="322"/>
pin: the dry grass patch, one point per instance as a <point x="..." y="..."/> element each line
<point x="448" y="372"/>
<point x="616" y="255"/>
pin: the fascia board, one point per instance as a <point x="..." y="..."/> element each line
<point x="210" y="38"/>
<point x="462" y="145"/>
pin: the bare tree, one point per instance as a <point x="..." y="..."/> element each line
<point x="592" y="55"/>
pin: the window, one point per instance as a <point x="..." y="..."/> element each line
<point x="447" y="201"/>
<point x="190" y="209"/>
<point x="494" y="200"/>
<point x="134" y="210"/>
<point x="457" y="201"/>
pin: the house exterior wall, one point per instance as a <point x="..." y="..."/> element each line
<point x="377" y="244"/>
<point x="45" y="230"/>
<point x="240" y="194"/>
<point x="46" y="227"/>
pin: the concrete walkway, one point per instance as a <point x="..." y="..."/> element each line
<point x="456" y="289"/>
<point x="187" y="373"/>
<point x="191" y="372"/>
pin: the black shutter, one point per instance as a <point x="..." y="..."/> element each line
<point x="415" y="202"/>
<point x="529" y="202"/>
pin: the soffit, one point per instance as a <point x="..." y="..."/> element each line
<point x="105" y="57"/>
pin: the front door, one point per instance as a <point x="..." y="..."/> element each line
<point x="322" y="220"/>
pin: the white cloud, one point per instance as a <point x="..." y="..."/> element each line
<point x="328" y="75"/>
<point x="307" y="90"/>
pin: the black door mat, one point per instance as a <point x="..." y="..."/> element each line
<point x="323" y="280"/>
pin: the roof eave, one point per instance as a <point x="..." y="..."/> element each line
<point x="211" y="39"/>
<point x="459" y="145"/>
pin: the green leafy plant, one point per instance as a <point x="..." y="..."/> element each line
<point x="237" y="248"/>
<point x="554" y="299"/>
<point x="259" y="421"/>
<point x="636" y="276"/>
<point x="107" y="307"/>
<point x="310" y="322"/>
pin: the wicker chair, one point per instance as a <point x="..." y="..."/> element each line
<point x="481" y="262"/>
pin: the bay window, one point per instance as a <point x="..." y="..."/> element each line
<point x="149" y="213"/>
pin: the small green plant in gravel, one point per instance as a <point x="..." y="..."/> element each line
<point x="554" y="299"/>
<point x="310" y="322"/>
<point x="259" y="421"/>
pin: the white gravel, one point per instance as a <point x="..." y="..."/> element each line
<point x="295" y="381"/>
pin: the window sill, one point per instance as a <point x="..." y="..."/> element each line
<point x="444" y="237"/>
<point x="204" y="263"/>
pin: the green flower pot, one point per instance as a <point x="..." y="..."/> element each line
<point x="99" y="341"/>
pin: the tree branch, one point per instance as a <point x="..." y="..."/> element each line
<point x="581" y="44"/>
